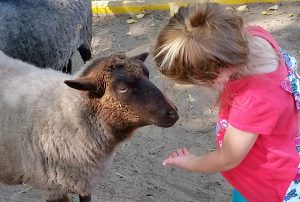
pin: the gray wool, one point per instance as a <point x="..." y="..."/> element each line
<point x="43" y="133"/>
<point x="58" y="132"/>
<point x="45" y="32"/>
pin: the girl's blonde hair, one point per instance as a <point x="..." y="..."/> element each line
<point x="199" y="41"/>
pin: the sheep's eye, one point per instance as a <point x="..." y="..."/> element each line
<point x="122" y="87"/>
<point x="123" y="90"/>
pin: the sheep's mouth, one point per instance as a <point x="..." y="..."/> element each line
<point x="165" y="124"/>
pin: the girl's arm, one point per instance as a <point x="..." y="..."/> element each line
<point x="236" y="145"/>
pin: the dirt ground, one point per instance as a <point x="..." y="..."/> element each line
<point x="137" y="174"/>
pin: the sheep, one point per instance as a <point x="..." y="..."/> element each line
<point x="60" y="138"/>
<point x="46" y="33"/>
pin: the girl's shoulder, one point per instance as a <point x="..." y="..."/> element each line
<point x="261" y="32"/>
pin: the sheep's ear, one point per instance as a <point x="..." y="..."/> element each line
<point x="142" y="57"/>
<point x="84" y="84"/>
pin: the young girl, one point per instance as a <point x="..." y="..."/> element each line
<point x="207" y="44"/>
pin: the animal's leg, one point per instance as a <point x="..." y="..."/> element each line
<point x="68" y="69"/>
<point x="62" y="199"/>
<point x="85" y="53"/>
<point x="87" y="198"/>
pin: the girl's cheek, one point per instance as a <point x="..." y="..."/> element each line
<point x="218" y="86"/>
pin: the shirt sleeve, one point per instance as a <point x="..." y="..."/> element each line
<point x="253" y="114"/>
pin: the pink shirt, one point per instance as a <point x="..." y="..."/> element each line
<point x="258" y="104"/>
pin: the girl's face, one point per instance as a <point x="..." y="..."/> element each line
<point x="217" y="84"/>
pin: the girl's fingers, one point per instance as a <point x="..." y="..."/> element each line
<point x="185" y="151"/>
<point x="171" y="160"/>
<point x="165" y="162"/>
<point x="174" y="154"/>
<point x="168" y="161"/>
<point x="180" y="152"/>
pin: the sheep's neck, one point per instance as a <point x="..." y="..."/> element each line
<point x="122" y="134"/>
<point x="80" y="138"/>
<point x="89" y="135"/>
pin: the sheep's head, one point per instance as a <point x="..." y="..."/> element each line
<point x="120" y="94"/>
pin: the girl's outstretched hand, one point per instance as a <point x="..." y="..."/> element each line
<point x="181" y="158"/>
<point x="236" y="145"/>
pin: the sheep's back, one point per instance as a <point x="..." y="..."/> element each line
<point x="44" y="33"/>
<point x="25" y="90"/>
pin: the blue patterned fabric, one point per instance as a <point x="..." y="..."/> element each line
<point x="292" y="82"/>
<point x="293" y="193"/>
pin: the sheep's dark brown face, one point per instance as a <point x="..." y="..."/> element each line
<point x="122" y="95"/>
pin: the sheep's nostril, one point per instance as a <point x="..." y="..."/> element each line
<point x="172" y="114"/>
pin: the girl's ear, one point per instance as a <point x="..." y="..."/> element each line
<point x="142" y="57"/>
<point x="224" y="75"/>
